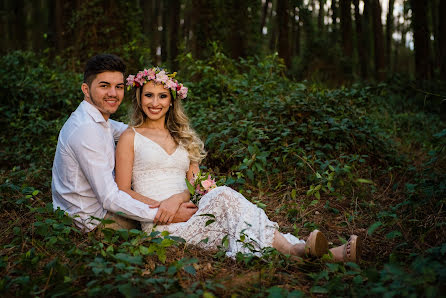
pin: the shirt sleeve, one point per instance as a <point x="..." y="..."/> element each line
<point x="117" y="128"/>
<point x="89" y="145"/>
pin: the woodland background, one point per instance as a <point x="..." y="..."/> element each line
<point x="327" y="114"/>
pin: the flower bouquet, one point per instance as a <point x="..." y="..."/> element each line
<point x="201" y="184"/>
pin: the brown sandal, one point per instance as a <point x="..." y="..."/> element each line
<point x="316" y="244"/>
<point x="351" y="251"/>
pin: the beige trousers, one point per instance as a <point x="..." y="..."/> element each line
<point x="120" y="222"/>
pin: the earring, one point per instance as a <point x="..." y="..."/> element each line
<point x="170" y="104"/>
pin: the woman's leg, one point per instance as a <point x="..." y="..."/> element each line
<point x="348" y="252"/>
<point x="316" y="245"/>
<point x="282" y="245"/>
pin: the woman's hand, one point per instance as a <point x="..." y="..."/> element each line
<point x="185" y="212"/>
<point x="167" y="209"/>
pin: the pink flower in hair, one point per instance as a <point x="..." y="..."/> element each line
<point x="170" y="84"/>
<point x="162" y="77"/>
<point x="130" y="80"/>
<point x="151" y="74"/>
<point x="183" y="92"/>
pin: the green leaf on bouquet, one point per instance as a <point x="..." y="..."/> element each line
<point x="207" y="214"/>
<point x="190" y="187"/>
<point x="209" y="222"/>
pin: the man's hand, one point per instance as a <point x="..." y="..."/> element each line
<point x="169" y="207"/>
<point x="167" y="210"/>
<point x="185" y="212"/>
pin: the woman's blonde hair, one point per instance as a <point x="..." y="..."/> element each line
<point x="177" y="123"/>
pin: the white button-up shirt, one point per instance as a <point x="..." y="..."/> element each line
<point x="83" y="182"/>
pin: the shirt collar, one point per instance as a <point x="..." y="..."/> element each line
<point x="93" y="111"/>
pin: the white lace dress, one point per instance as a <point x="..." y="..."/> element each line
<point x="159" y="175"/>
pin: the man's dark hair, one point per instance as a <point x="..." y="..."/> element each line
<point x="101" y="63"/>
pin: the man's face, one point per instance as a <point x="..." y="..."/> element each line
<point x="106" y="92"/>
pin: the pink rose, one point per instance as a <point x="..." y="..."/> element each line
<point x="208" y="184"/>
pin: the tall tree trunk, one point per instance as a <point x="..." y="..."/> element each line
<point x="19" y="25"/>
<point x="346" y="27"/>
<point x="334" y="20"/>
<point x="202" y="18"/>
<point x="151" y="11"/>
<point x="378" y="40"/>
<point x="284" y="39"/>
<point x="58" y="25"/>
<point x="147" y="22"/>
<point x="38" y="26"/>
<point x="165" y="7"/>
<point x="389" y="32"/>
<point x="421" y="39"/>
<point x="237" y="38"/>
<point x="296" y="33"/>
<point x="320" y="17"/>
<point x="360" y="42"/>
<point x="187" y="25"/>
<point x="6" y="27"/>
<point x="442" y="39"/>
<point x="175" y="9"/>
<point x="273" y="27"/>
<point x="264" y="15"/>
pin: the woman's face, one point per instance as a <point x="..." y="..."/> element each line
<point x="155" y="101"/>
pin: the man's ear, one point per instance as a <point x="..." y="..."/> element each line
<point x="86" y="90"/>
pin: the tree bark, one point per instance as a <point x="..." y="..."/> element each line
<point x="165" y="7"/>
<point x="442" y="38"/>
<point x="264" y="15"/>
<point x="433" y="6"/>
<point x="346" y="27"/>
<point x="296" y="33"/>
<point x="378" y="40"/>
<point x="19" y="25"/>
<point x="237" y="39"/>
<point x="389" y="32"/>
<point x="334" y="19"/>
<point x="320" y="16"/>
<point x="283" y="23"/>
<point x="421" y="39"/>
<point x="58" y="25"/>
<point x="174" y="26"/>
<point x="360" y="42"/>
<point x="202" y="18"/>
<point x="273" y="27"/>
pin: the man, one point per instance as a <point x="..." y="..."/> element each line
<point x="83" y="182"/>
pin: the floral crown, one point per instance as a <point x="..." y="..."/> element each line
<point x="159" y="76"/>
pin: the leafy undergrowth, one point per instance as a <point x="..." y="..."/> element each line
<point x="364" y="160"/>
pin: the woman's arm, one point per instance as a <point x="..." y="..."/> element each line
<point x="124" y="167"/>
<point x="193" y="170"/>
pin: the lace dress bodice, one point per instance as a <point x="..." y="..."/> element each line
<point x="156" y="174"/>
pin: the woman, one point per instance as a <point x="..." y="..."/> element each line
<point x="160" y="150"/>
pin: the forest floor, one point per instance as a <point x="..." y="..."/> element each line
<point x="368" y="159"/>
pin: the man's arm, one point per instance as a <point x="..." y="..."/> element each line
<point x="89" y="145"/>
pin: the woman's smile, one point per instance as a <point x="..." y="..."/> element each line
<point x="155" y="111"/>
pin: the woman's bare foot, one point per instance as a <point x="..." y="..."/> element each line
<point x="349" y="252"/>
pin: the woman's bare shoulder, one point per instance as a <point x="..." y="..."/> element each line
<point x="127" y="136"/>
